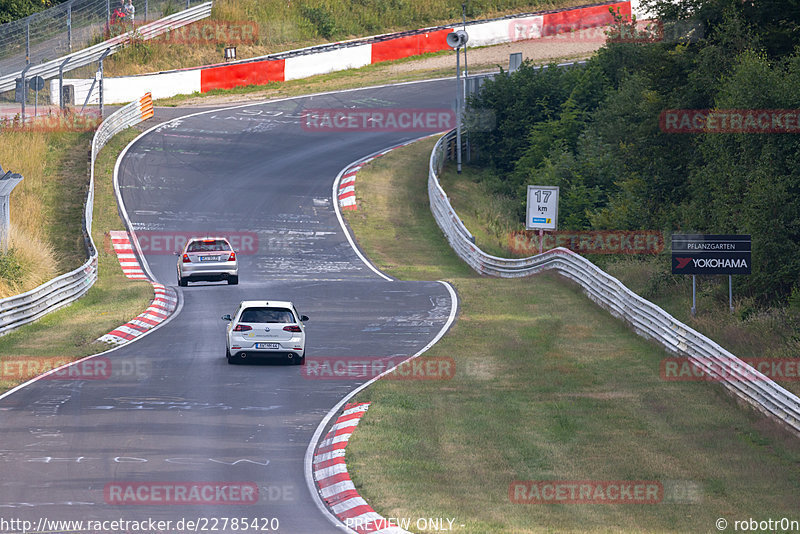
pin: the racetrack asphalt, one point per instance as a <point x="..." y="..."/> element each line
<point x="172" y="409"/>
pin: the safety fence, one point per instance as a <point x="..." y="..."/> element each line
<point x="54" y="67"/>
<point x="25" y="308"/>
<point x="72" y="25"/>
<point x="648" y="320"/>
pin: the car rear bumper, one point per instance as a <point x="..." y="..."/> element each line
<point x="208" y="272"/>
<point x="274" y="355"/>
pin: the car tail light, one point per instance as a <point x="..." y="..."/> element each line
<point x="292" y="328"/>
<point x="186" y="259"/>
<point x="232" y="257"/>
<point x="242" y="328"/>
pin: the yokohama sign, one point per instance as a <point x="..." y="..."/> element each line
<point x="711" y="254"/>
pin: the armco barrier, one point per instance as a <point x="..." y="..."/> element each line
<point x="648" y="320"/>
<point x="25" y="308"/>
<point x="93" y="53"/>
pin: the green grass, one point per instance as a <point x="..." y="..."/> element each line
<point x="548" y="386"/>
<point x="71" y="332"/>
<point x="750" y="332"/>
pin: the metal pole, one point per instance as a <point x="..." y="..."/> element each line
<point x="28" y="42"/>
<point x="61" y="83"/>
<point x="541" y="241"/>
<point x="101" y="89"/>
<point x="458" y="109"/>
<point x="24" y="90"/>
<point x="187" y="4"/>
<point x="694" y="296"/>
<point x="108" y="15"/>
<point x="69" y="26"/>
<point x="464" y="17"/>
<point x="145" y="10"/>
<point x="108" y="51"/>
<point x="730" y="292"/>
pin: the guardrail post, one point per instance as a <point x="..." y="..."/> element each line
<point x="8" y="182"/>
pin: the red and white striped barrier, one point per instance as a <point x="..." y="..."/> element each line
<point x="333" y="481"/>
<point x="296" y="64"/>
<point x="164" y="301"/>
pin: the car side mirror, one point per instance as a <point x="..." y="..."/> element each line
<point x="226" y="317"/>
<point x="304" y="318"/>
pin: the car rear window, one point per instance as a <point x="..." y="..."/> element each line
<point x="267" y="315"/>
<point x="212" y="245"/>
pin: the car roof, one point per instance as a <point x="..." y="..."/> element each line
<point x="253" y="303"/>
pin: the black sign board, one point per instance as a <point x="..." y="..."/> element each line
<point x="710" y="254"/>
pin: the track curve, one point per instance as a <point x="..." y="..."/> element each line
<point x="180" y="413"/>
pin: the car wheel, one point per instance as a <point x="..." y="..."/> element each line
<point x="301" y="360"/>
<point x="182" y="282"/>
<point x="233" y="280"/>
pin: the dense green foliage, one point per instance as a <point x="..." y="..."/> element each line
<point x="17" y="9"/>
<point x="594" y="131"/>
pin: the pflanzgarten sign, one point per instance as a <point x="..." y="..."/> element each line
<point x="711" y="254"/>
<point x="542" y="213"/>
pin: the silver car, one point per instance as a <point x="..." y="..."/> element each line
<point x="209" y="259"/>
<point x="263" y="329"/>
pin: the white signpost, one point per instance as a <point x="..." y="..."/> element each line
<point x="542" y="212"/>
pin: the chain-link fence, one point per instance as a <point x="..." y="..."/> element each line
<point x="72" y="26"/>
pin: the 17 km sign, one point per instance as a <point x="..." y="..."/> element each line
<point x="542" y="208"/>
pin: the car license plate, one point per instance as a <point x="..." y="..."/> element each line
<point x="268" y="345"/>
<point x="209" y="258"/>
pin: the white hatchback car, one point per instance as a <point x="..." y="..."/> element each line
<point x="207" y="258"/>
<point x="263" y="329"/>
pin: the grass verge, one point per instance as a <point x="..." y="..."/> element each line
<point x="557" y="390"/>
<point x="750" y="332"/>
<point x="71" y="332"/>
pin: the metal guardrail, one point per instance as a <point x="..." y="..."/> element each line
<point x="647" y="319"/>
<point x="25" y="308"/>
<point x="89" y="55"/>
